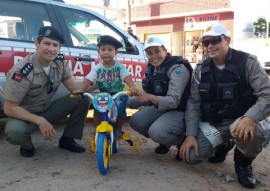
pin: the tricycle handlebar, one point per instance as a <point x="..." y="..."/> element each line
<point x="75" y="94"/>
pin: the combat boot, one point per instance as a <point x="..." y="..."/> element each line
<point x="162" y="149"/>
<point x="243" y="169"/>
<point x="221" y="152"/>
<point x="28" y="149"/>
<point x="177" y="157"/>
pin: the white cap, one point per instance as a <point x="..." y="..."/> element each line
<point x="153" y="41"/>
<point x="216" y="29"/>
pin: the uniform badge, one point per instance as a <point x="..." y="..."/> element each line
<point x="151" y="39"/>
<point x="48" y="32"/>
<point x="26" y="69"/>
<point x="177" y="71"/>
<point x="17" y="77"/>
<point x="227" y="93"/>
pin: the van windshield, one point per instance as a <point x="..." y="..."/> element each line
<point x="85" y="28"/>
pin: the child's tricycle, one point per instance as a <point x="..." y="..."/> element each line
<point x="104" y="143"/>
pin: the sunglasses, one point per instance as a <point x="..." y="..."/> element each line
<point x="214" y="41"/>
<point x="49" y="85"/>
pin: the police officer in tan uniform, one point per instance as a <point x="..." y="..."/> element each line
<point x="230" y="95"/>
<point x="28" y="97"/>
<point x="165" y="91"/>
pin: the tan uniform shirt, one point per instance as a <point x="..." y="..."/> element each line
<point x="30" y="91"/>
<point x="259" y="81"/>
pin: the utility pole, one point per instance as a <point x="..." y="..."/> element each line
<point x="106" y="5"/>
<point x="128" y="14"/>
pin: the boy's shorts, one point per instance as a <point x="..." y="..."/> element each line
<point x="121" y="102"/>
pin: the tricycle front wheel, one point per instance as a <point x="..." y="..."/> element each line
<point x="103" y="153"/>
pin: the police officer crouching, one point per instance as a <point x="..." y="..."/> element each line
<point x="165" y="91"/>
<point x="29" y="92"/>
<point x="229" y="97"/>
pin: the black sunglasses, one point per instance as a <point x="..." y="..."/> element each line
<point x="49" y="85"/>
<point x="214" y="41"/>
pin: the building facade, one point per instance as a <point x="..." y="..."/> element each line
<point x="180" y="23"/>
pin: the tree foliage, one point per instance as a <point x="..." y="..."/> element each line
<point x="260" y="28"/>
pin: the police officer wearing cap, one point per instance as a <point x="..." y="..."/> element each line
<point x="230" y="95"/>
<point x="28" y="97"/>
<point x="165" y="92"/>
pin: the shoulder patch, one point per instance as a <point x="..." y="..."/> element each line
<point x="17" y="77"/>
<point x="26" y="69"/>
<point x="60" y="57"/>
<point x="177" y="71"/>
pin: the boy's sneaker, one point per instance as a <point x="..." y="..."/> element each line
<point x="118" y="135"/>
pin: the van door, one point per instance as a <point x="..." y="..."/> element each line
<point x="83" y="28"/>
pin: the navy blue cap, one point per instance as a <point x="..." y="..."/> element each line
<point x="51" y="32"/>
<point x="107" y="39"/>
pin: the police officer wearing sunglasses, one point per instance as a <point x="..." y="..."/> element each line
<point x="28" y="97"/>
<point x="230" y="95"/>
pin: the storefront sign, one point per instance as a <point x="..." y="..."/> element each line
<point x="200" y="22"/>
<point x="207" y="18"/>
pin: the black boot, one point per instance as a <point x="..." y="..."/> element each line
<point x="162" y="149"/>
<point x="243" y="169"/>
<point x="221" y="152"/>
<point x="177" y="156"/>
<point x="28" y="149"/>
<point x="69" y="144"/>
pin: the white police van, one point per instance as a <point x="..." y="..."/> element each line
<point x="20" y="21"/>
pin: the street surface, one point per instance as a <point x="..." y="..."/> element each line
<point x="54" y="169"/>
